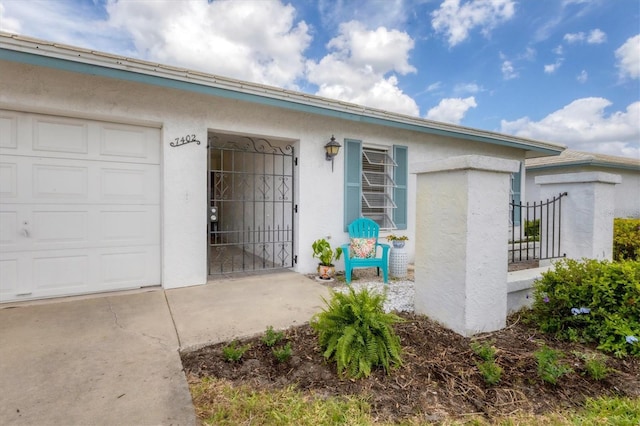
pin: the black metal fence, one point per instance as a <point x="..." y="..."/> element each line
<point x="536" y="230"/>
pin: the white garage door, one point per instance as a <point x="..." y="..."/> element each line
<point x="79" y="206"/>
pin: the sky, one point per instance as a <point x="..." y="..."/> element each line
<point x="561" y="71"/>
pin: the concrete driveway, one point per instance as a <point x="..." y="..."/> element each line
<point x="114" y="359"/>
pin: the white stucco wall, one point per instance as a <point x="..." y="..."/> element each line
<point x="627" y="193"/>
<point x="319" y="191"/>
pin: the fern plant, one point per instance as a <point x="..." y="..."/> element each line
<point x="355" y="332"/>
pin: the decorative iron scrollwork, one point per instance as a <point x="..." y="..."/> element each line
<point x="184" y="140"/>
<point x="249" y="144"/>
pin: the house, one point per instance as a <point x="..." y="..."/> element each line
<point x="118" y="173"/>
<point x="627" y="193"/>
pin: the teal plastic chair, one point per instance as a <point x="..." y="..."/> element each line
<point x="365" y="228"/>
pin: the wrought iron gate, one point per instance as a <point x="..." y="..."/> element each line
<point x="251" y="205"/>
<point x="536" y="230"/>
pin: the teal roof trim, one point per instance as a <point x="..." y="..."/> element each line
<point x="156" y="80"/>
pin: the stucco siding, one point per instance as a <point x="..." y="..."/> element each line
<point x="627" y="193"/>
<point x="318" y="190"/>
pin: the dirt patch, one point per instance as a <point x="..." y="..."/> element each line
<point x="439" y="377"/>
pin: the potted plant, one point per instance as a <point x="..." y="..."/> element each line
<point x="398" y="241"/>
<point x="326" y="255"/>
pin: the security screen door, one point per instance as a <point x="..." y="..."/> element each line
<point x="251" y="204"/>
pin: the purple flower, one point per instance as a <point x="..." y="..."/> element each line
<point x="545" y="299"/>
<point x="631" y="339"/>
<point x="584" y="310"/>
<point x="575" y="311"/>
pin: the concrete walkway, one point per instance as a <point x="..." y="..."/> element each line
<point x="114" y="360"/>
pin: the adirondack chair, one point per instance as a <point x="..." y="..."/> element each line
<point x="362" y="250"/>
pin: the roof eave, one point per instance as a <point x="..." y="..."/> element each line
<point x="45" y="54"/>
<point x="583" y="163"/>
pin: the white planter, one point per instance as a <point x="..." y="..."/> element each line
<point x="398" y="262"/>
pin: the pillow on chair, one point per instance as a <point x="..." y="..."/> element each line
<point x="362" y="248"/>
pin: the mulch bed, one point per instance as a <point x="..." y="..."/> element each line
<point x="439" y="378"/>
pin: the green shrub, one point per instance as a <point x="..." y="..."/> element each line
<point x="233" y="352"/>
<point x="550" y="369"/>
<point x="484" y="351"/>
<point x="626" y="239"/>
<point x="284" y="353"/>
<point x="271" y="337"/>
<point x="532" y="228"/>
<point x="355" y="332"/>
<point x="491" y="372"/>
<point x="591" y="301"/>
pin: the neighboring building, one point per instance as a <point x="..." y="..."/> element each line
<point x="627" y="194"/>
<point x="118" y="173"/>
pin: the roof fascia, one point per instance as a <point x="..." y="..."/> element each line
<point x="327" y="111"/>
<point x="590" y="163"/>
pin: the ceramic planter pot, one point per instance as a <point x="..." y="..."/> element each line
<point x="398" y="244"/>
<point x="326" y="272"/>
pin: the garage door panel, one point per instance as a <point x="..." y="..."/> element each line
<point x="64" y="273"/>
<point x="80" y="209"/>
<point x="8" y="180"/>
<point x="60" y="182"/>
<point x="8" y="130"/>
<point x="60" y="135"/>
<point x="132" y="184"/>
<point x="124" y="141"/>
<point x="9" y="227"/>
<point x="123" y="267"/>
<point x="133" y="226"/>
<point x="8" y="278"/>
<point x="62" y="226"/>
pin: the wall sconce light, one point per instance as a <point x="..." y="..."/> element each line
<point x="332" y="147"/>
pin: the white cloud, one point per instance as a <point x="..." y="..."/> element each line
<point x="76" y="24"/>
<point x="266" y="48"/>
<point x="9" y="25"/>
<point x="559" y="50"/>
<point x="360" y="68"/>
<point x="551" y="68"/>
<point x="434" y="86"/>
<point x="574" y="37"/>
<point x="582" y="77"/>
<point x="451" y="110"/>
<point x="508" y="71"/>
<point x="584" y="125"/>
<point x="456" y="20"/>
<point x="628" y="56"/>
<point x="372" y="13"/>
<point x="384" y="50"/>
<point x="467" y="88"/>
<point x="596" y="36"/>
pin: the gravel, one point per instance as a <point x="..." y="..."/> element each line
<point x="400" y="294"/>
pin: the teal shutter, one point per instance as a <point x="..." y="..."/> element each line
<point x="400" y="176"/>
<point x="516" y="198"/>
<point x="352" y="180"/>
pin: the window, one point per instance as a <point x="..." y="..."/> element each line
<point x="376" y="184"/>
<point x="377" y="187"/>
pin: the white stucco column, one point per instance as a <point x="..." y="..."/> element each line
<point x="462" y="219"/>
<point x="587" y="211"/>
